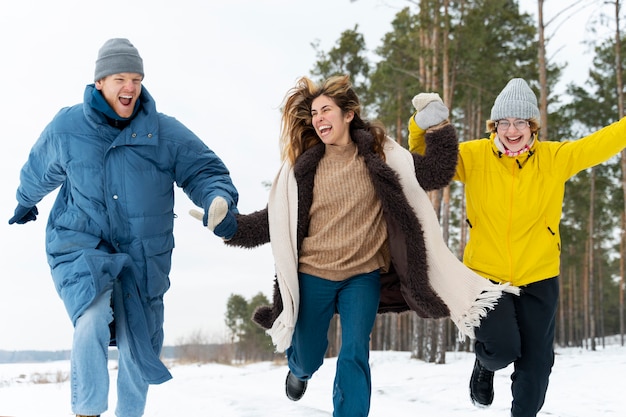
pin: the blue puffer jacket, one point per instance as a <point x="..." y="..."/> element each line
<point x="113" y="217"/>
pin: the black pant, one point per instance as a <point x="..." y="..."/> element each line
<point x="520" y="330"/>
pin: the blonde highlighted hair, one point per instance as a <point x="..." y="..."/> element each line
<point x="297" y="132"/>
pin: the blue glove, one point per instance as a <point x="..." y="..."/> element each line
<point x="227" y="227"/>
<point x="24" y="214"/>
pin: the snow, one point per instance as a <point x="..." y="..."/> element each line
<point x="584" y="383"/>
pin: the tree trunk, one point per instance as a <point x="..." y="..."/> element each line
<point x="585" y="296"/>
<point x="620" y="107"/>
<point x="445" y="46"/>
<point x="440" y="355"/>
<point x="418" y="335"/>
<point x="592" y="316"/>
<point x="561" y="334"/>
<point x="570" y="307"/>
<point x="621" y="279"/>
<point x="601" y="305"/>
<point x="543" y="77"/>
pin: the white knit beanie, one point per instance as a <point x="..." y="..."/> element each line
<point x="515" y="100"/>
<point x="116" y="56"/>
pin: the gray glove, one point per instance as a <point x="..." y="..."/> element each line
<point x="430" y="110"/>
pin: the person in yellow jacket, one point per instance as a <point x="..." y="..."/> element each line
<point x="514" y="187"/>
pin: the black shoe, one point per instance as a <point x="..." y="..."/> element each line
<point x="481" y="385"/>
<point x="294" y="387"/>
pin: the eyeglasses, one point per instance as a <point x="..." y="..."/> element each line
<point x="504" y="125"/>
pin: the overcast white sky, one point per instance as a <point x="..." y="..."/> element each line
<point x="222" y="68"/>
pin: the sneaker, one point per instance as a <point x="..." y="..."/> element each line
<point x="294" y="387"/>
<point x="481" y="385"/>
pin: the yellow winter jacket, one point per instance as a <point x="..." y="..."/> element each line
<point x="514" y="204"/>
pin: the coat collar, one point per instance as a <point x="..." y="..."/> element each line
<point x="143" y="128"/>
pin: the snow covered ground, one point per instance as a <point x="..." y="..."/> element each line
<point x="583" y="384"/>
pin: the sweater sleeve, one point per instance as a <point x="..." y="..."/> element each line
<point x="252" y="230"/>
<point x="435" y="154"/>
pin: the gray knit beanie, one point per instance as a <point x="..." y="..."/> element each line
<point x="117" y="55"/>
<point x="515" y="100"/>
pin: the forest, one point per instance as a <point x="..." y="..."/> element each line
<point x="467" y="51"/>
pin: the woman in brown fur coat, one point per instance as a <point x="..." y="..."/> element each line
<point x="353" y="232"/>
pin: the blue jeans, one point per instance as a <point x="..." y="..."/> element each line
<point x="520" y="330"/>
<point x="356" y="300"/>
<point x="89" y="362"/>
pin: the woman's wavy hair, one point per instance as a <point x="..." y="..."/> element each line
<point x="297" y="131"/>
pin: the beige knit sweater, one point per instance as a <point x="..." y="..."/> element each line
<point x="347" y="231"/>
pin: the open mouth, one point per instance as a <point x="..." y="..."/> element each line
<point x="126" y="100"/>
<point x="514" y="140"/>
<point x="324" y="130"/>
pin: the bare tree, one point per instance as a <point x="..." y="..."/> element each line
<point x="543" y="73"/>
<point x="621" y="273"/>
<point x="591" y="294"/>
<point x="571" y="8"/>
<point x="620" y="108"/>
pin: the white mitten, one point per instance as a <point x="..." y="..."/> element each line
<point x="196" y="214"/>
<point x="214" y="215"/>
<point x="422" y="99"/>
<point x="430" y="110"/>
<point x="217" y="211"/>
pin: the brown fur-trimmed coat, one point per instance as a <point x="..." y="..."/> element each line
<point x="406" y="285"/>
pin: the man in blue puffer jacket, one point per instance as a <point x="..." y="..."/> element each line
<point x="109" y="237"/>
